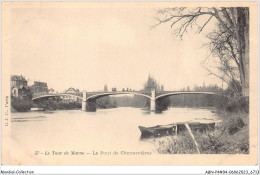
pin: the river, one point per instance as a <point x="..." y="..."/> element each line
<point x="103" y="130"/>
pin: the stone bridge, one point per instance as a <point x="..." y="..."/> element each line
<point x="89" y="98"/>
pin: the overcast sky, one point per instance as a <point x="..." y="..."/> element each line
<point x="86" y="48"/>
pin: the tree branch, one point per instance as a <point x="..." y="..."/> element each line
<point x="205" y="24"/>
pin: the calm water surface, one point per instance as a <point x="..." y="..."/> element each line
<point x="105" y="129"/>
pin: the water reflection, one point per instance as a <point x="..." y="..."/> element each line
<point x="113" y="129"/>
<point x="27" y="119"/>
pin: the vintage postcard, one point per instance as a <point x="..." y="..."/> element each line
<point x="129" y="83"/>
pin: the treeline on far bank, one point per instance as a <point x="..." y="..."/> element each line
<point x="25" y="104"/>
<point x="224" y="101"/>
<point x="229" y="104"/>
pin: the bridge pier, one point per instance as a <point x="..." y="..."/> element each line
<point x="84" y="106"/>
<point x="152" y="101"/>
<point x="84" y="101"/>
<point x="88" y="105"/>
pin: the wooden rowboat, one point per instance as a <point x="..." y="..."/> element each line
<point x="159" y="130"/>
<point x="173" y="129"/>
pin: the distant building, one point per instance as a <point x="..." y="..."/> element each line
<point x="71" y="98"/>
<point x="72" y="90"/>
<point x="37" y="87"/>
<point x="51" y="91"/>
<point x="19" y="87"/>
<point x="105" y="88"/>
<point x="162" y="88"/>
<point x="17" y="80"/>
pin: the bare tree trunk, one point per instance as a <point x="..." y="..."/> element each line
<point x="246" y="60"/>
<point x="243" y="45"/>
<point x="233" y="21"/>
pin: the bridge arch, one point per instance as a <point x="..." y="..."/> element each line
<point x="55" y="95"/>
<point x="185" y="92"/>
<point x="96" y="96"/>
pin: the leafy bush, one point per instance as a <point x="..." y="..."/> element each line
<point x="221" y="103"/>
<point x="238" y="104"/>
<point x="21" y="105"/>
<point x="234" y="125"/>
<point x="53" y="105"/>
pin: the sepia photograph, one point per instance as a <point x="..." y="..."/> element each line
<point x="129" y="83"/>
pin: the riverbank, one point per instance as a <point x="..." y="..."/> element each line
<point x="231" y="136"/>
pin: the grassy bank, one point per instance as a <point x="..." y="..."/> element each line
<point x="231" y="136"/>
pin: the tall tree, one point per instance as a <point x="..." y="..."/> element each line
<point x="230" y="40"/>
<point x="152" y="84"/>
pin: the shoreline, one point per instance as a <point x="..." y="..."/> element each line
<point x="231" y="136"/>
<point x="143" y="109"/>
